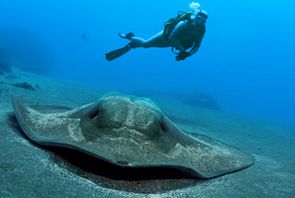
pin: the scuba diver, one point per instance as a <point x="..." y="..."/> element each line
<point x="183" y="34"/>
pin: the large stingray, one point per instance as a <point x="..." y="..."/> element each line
<point x="129" y="132"/>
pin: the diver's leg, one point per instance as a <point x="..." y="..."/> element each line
<point x="158" y="40"/>
<point x="137" y="42"/>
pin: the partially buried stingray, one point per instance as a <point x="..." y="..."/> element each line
<point x="129" y="132"/>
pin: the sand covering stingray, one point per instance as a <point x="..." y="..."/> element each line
<point x="129" y="132"/>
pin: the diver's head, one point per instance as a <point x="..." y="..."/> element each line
<point x="202" y="15"/>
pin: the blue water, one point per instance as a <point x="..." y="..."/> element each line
<point x="246" y="60"/>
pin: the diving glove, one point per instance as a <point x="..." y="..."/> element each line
<point x="182" y="55"/>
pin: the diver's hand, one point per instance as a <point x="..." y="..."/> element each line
<point x="182" y="55"/>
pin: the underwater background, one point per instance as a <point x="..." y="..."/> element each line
<point x="246" y="61"/>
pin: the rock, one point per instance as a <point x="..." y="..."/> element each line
<point x="24" y="85"/>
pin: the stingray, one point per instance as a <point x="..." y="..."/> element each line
<point x="129" y="132"/>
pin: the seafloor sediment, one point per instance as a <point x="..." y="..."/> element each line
<point x="28" y="170"/>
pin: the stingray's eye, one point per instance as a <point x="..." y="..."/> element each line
<point x="94" y="113"/>
<point x="163" y="126"/>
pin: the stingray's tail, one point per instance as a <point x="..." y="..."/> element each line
<point x="118" y="52"/>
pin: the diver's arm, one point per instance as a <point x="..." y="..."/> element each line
<point x="194" y="49"/>
<point x="197" y="42"/>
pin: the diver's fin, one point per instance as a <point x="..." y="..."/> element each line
<point x="118" y="52"/>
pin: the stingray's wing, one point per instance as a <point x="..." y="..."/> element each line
<point x="208" y="157"/>
<point x="39" y="123"/>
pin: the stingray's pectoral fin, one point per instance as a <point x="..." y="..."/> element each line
<point x="20" y="110"/>
<point x="22" y="114"/>
<point x="118" y="52"/>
